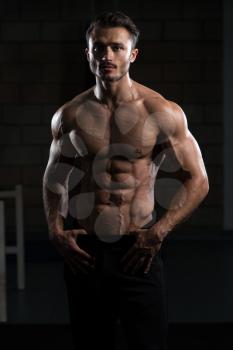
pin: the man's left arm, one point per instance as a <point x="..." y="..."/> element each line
<point x="195" y="187"/>
<point x="178" y="142"/>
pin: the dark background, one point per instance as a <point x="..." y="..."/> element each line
<point x="181" y="55"/>
<point x="43" y="65"/>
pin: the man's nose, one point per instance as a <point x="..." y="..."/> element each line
<point x="107" y="55"/>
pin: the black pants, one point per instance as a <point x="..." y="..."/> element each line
<point x="99" y="299"/>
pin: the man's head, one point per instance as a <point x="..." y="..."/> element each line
<point x="111" y="20"/>
<point x="111" y="45"/>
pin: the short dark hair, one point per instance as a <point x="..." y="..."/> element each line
<point x="113" y="19"/>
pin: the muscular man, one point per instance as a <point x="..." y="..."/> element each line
<point x="108" y="145"/>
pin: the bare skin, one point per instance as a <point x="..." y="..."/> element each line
<point x="114" y="137"/>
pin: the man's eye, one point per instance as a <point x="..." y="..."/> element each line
<point x="98" y="48"/>
<point x="117" y="48"/>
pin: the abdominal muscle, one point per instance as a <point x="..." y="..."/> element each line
<point x="122" y="198"/>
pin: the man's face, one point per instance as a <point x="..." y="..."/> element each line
<point x="110" y="53"/>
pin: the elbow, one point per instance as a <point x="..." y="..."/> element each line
<point x="200" y="185"/>
<point x="204" y="186"/>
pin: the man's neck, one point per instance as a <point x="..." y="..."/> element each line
<point x="112" y="93"/>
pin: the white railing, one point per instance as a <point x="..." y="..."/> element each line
<point x="17" y="249"/>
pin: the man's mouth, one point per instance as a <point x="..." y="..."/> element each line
<point x="107" y="67"/>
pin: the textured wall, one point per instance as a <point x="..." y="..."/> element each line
<point x="42" y="65"/>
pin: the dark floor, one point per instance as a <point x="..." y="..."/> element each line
<point x="181" y="336"/>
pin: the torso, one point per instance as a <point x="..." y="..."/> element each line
<point x="116" y="151"/>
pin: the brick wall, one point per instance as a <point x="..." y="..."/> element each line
<point x="42" y="65"/>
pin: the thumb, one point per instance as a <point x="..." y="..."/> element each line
<point x="80" y="232"/>
<point x="137" y="231"/>
<point x="77" y="233"/>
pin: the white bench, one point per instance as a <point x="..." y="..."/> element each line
<point x="17" y="249"/>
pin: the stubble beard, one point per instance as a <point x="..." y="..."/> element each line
<point x="107" y="78"/>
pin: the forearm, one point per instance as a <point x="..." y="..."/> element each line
<point x="185" y="201"/>
<point x="55" y="196"/>
<point x="52" y="210"/>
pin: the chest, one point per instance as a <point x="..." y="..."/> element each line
<point x="128" y="130"/>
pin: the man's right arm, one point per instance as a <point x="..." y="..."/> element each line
<point x="55" y="195"/>
<point x="55" y="181"/>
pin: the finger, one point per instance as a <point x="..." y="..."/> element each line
<point x="80" y="232"/>
<point x="83" y="269"/>
<point x="68" y="260"/>
<point x="60" y="251"/>
<point x="85" y="257"/>
<point x="71" y="253"/>
<point x="82" y="253"/>
<point x="128" y="255"/>
<point x="137" y="232"/>
<point x="72" y="261"/>
<point x="87" y="263"/>
<point x="148" y="264"/>
<point x="131" y="263"/>
<point x="82" y="263"/>
<point x="71" y="267"/>
<point x="138" y="265"/>
<point x="77" y="254"/>
<point x="140" y="230"/>
<point x="76" y="266"/>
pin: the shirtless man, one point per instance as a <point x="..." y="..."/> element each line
<point x="111" y="140"/>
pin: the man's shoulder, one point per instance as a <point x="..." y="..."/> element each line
<point x="69" y="108"/>
<point x="167" y="114"/>
<point x="64" y="118"/>
<point x="155" y="101"/>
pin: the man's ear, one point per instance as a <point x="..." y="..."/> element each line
<point x="133" y="55"/>
<point x="87" y="54"/>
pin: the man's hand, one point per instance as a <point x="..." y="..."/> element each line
<point x="66" y="244"/>
<point x="141" y="254"/>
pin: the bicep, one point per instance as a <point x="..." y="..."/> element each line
<point x="188" y="155"/>
<point x="61" y="161"/>
<point x="180" y="144"/>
